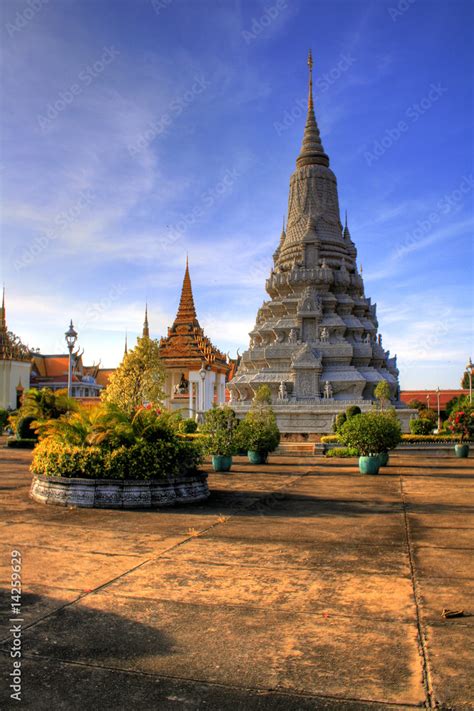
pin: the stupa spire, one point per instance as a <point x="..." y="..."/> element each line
<point x="146" y="330"/>
<point x="312" y="151"/>
<point x="186" y="309"/>
<point x="3" y="319"/>
<point x="125" y="350"/>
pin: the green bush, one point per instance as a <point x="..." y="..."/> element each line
<point x="330" y="439"/>
<point x="341" y="417"/>
<point x="421" y="426"/>
<point x="187" y="426"/>
<point x="4" y="414"/>
<point x="258" y="431"/>
<point x="352" y="411"/>
<point x="24" y="429"/>
<point x="371" y="433"/>
<point x="143" y="460"/>
<point x="342" y="452"/>
<point x="220" y="425"/>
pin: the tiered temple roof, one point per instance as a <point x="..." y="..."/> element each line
<point x="186" y="346"/>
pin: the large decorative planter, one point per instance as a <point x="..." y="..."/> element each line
<point x="461" y="450"/>
<point x="221" y="462"/>
<point x="383" y="458"/>
<point x="257" y="457"/>
<point x="119" y="494"/>
<point x="369" y="465"/>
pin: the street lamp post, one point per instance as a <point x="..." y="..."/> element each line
<point x="202" y="375"/>
<point x="71" y="338"/>
<point x="469" y="368"/>
<point x="439" y="414"/>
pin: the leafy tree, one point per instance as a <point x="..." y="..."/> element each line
<point x="465" y="380"/>
<point x="138" y="379"/>
<point x="382" y="393"/>
<point x="416" y="404"/>
<point x="457" y="403"/>
<point x="263" y="396"/>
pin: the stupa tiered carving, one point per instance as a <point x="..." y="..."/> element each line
<point x="315" y="340"/>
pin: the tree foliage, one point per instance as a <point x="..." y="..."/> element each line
<point x="382" y="393"/>
<point x="139" y="378"/>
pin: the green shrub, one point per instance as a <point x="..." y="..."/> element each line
<point x="143" y="460"/>
<point x="371" y="433"/>
<point x="258" y="431"/>
<point x="352" y="411"/>
<point x="220" y="425"/>
<point x="330" y="439"/>
<point x="4" y="415"/>
<point x="341" y="417"/>
<point x="420" y="426"/>
<point x="342" y="452"/>
<point x="24" y="429"/>
<point x="263" y="396"/>
<point x="187" y="426"/>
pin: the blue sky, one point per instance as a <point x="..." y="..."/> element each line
<point x="135" y="131"/>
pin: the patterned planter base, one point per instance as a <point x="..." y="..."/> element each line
<point x="109" y="494"/>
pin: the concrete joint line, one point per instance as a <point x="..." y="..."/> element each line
<point x="427" y="680"/>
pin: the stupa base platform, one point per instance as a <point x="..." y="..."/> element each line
<point x="317" y="416"/>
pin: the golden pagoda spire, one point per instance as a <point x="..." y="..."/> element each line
<point x="186" y="309"/>
<point x="146" y="330"/>
<point x="312" y="151"/>
<point x="125" y="350"/>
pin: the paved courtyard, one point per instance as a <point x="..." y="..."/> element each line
<point x="297" y="585"/>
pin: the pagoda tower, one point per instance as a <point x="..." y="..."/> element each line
<point x="195" y="369"/>
<point x="315" y="342"/>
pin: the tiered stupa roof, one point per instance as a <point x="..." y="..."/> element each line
<point x="11" y="347"/>
<point x="186" y="346"/>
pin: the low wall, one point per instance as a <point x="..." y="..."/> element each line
<point x="119" y="494"/>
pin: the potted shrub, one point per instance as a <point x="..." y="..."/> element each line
<point x="371" y="434"/>
<point x="421" y="426"/>
<point x="220" y="426"/>
<point x="259" y="434"/>
<point x="461" y="424"/>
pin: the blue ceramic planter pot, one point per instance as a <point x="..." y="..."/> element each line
<point x="461" y="450"/>
<point x="221" y="462"/>
<point x="257" y="457"/>
<point x="369" y="465"/>
<point x="383" y="458"/>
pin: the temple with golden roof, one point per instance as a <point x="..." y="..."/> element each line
<point x="195" y="369"/>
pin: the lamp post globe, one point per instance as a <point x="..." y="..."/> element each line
<point x="71" y="338"/>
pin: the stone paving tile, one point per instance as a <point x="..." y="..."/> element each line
<point x="36" y="602"/>
<point x="453" y="594"/>
<point x="79" y="539"/>
<point x="450" y="650"/>
<point x="109" y="690"/>
<point x="379" y="529"/>
<point x="292" y="555"/>
<point x="243" y="647"/>
<point x="443" y="563"/>
<point x="82" y="571"/>
<point x="439" y="536"/>
<point x="362" y="596"/>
